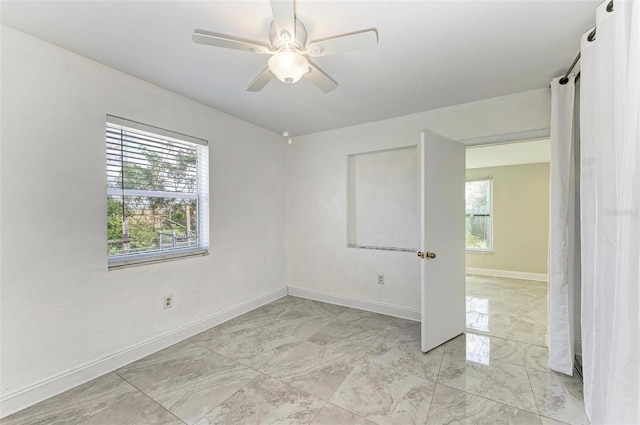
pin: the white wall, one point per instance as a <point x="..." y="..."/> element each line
<point x="383" y="198"/>
<point x="318" y="258"/>
<point x="61" y="308"/>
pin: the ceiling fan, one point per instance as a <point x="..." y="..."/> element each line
<point x="289" y="50"/>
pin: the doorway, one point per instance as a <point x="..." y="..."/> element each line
<point x="507" y="228"/>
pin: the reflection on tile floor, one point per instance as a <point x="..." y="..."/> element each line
<point x="296" y="361"/>
<point x="512" y="309"/>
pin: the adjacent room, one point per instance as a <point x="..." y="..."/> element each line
<point x="506" y="237"/>
<point x="258" y="212"/>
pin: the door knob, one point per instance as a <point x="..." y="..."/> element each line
<point x="421" y="254"/>
<point x="430" y="255"/>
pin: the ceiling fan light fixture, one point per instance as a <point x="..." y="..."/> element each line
<point x="288" y="66"/>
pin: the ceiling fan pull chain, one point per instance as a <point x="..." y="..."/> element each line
<point x="289" y="114"/>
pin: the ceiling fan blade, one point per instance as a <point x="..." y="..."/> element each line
<point x="343" y="43"/>
<point x="320" y="78"/>
<point x="284" y="17"/>
<point x="229" y="42"/>
<point x="261" y="80"/>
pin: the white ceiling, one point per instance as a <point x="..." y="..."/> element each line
<point x="431" y="54"/>
<point x="529" y="152"/>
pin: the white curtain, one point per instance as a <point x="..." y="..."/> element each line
<point x="562" y="212"/>
<point x="610" y="215"/>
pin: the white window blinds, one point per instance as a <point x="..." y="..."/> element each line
<point x="157" y="193"/>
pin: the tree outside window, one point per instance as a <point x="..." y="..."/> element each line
<point x="153" y="196"/>
<point x="478" y="214"/>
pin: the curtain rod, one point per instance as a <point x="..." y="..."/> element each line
<point x="590" y="37"/>
<point x="565" y="80"/>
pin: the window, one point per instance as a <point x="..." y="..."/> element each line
<point x="478" y="214"/>
<point x="157" y="194"/>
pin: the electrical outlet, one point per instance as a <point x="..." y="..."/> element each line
<point x="380" y="279"/>
<point x="168" y="301"/>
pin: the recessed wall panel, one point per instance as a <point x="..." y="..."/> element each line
<point x="383" y="199"/>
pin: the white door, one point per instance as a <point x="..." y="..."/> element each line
<point x="442" y="240"/>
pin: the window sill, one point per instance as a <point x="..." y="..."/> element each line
<point x="479" y="251"/>
<point x="143" y="260"/>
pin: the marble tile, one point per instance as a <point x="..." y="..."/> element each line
<point x="195" y="390"/>
<point x="477" y="309"/>
<point x="385" y="395"/>
<point x="75" y="405"/>
<point x="160" y="365"/>
<point x="255" y="346"/>
<point x="242" y="342"/>
<point x="281" y="350"/>
<point x="224" y="334"/>
<point x="501" y="349"/>
<point x="548" y="421"/>
<point x="316" y="369"/>
<point x="558" y="396"/>
<point x="401" y="350"/>
<point x="534" y="325"/>
<point x="334" y="415"/>
<point x="409" y="330"/>
<point x="477" y="321"/>
<point x="137" y="409"/>
<point x="333" y="311"/>
<point x="266" y="401"/>
<point x="513" y="309"/>
<point x="484" y="348"/>
<point x="537" y="357"/>
<point x="351" y="337"/>
<point x="287" y="308"/>
<point x="451" y="406"/>
<point x="522" y="335"/>
<point x="380" y="322"/>
<point x="298" y="330"/>
<point x="503" y="382"/>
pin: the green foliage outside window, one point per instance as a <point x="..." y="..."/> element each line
<point x="154" y="222"/>
<point x="478" y="214"/>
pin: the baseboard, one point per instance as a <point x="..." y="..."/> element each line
<point x="507" y="273"/>
<point x="35" y="393"/>
<point x="359" y="303"/>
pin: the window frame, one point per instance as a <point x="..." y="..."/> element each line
<point x="201" y="196"/>
<point x="489" y="248"/>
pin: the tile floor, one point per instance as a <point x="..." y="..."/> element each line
<point x="296" y="361"/>
<point x="512" y="309"/>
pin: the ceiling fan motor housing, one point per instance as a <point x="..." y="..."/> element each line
<point x="284" y="40"/>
